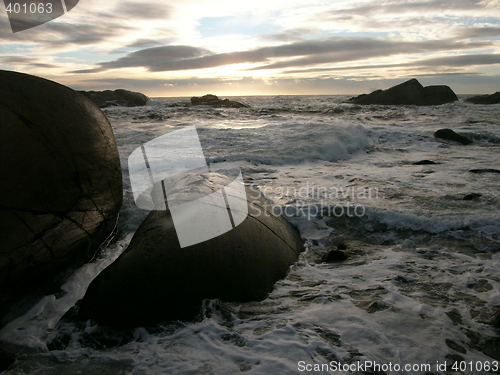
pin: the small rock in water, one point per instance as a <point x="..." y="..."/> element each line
<point x="485" y="170"/>
<point x="450" y="135"/>
<point x="454" y="316"/>
<point x="453" y="345"/>
<point x="371" y="306"/>
<point x="342" y="246"/>
<point x="471" y="196"/>
<point x="424" y="162"/>
<point x="335" y="256"/>
<point x="495" y="318"/>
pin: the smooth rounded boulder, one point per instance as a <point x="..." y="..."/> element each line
<point x="156" y="280"/>
<point x="61" y="187"/>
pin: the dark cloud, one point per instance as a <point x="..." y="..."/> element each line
<point x="25" y="60"/>
<point x="141" y="10"/>
<point x="155" y="59"/>
<point x="352" y="49"/>
<point x="82" y="34"/>
<point x="461" y="60"/>
<point x="446" y="63"/>
<point x="303" y="53"/>
<point x="477" y="32"/>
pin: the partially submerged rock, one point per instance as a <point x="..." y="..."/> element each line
<point x="408" y="93"/>
<point x="485" y="99"/>
<point x="450" y="135"/>
<point x="471" y="196"/>
<point x="156" y="280"/>
<point x="61" y="187"/>
<point x="119" y="97"/>
<point x="485" y="170"/>
<point x="424" y="162"/>
<point x="212" y="101"/>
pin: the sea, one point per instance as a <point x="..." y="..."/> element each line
<point x="411" y="223"/>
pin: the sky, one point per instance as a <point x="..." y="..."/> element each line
<point x="262" y="47"/>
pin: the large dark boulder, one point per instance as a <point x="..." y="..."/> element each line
<point x="61" y="186"/>
<point x="119" y="97"/>
<point x="485" y="99"/>
<point x="408" y="93"/>
<point x="214" y="101"/>
<point x="155" y="280"/>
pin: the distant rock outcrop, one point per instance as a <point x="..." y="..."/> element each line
<point x="61" y="187"/>
<point x="214" y="101"/>
<point x="450" y="135"/>
<point x="155" y="280"/>
<point x="119" y="97"/>
<point x="485" y="99"/>
<point x="408" y="93"/>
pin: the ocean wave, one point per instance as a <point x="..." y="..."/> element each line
<point x="288" y="143"/>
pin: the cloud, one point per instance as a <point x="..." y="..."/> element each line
<point x="291" y="35"/>
<point x="398" y="7"/>
<point x="461" y="60"/>
<point x="445" y="62"/>
<point x="301" y="53"/>
<point x="141" y="10"/>
<point x="477" y="32"/>
<point x="95" y="26"/>
<point x="25" y="60"/>
<point x="353" y="49"/>
<point x="155" y="59"/>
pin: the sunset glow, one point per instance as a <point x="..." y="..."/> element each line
<point x="262" y="47"/>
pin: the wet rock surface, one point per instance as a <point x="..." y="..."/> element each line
<point x="113" y="98"/>
<point x="450" y="135"/>
<point x="61" y="189"/>
<point x="156" y="280"/>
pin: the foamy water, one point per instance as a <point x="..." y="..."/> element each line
<point x="420" y="281"/>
